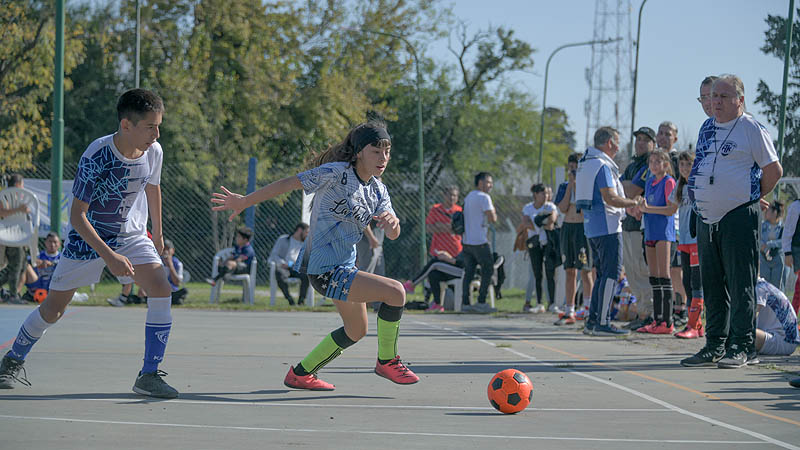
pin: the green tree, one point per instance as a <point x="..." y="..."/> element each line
<point x="775" y="44"/>
<point x="27" y="49"/>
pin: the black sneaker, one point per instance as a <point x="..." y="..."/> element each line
<point x="752" y="358"/>
<point x="151" y="384"/>
<point x="9" y="373"/>
<point x="706" y="357"/>
<point x="734" y="358"/>
<point x="638" y="323"/>
<point x="795" y="383"/>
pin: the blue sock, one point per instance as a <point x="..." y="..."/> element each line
<point x="29" y="333"/>
<point x="156" y="332"/>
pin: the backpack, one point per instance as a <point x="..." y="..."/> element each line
<point x="457" y="222"/>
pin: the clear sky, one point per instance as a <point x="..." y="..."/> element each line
<point x="682" y="41"/>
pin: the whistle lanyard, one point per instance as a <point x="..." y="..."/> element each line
<point x="716" y="151"/>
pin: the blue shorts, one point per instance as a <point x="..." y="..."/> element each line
<point x="334" y="283"/>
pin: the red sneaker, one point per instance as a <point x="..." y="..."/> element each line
<point x="647" y="328"/>
<point x="310" y="382"/>
<point x="396" y="371"/>
<point x="690" y="333"/>
<point x="662" y="328"/>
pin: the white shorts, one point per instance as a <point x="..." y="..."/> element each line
<point x="776" y="345"/>
<point x="74" y="273"/>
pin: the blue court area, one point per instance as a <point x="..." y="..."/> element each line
<point x="589" y="392"/>
<point x="10" y="320"/>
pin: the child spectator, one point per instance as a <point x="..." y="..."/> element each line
<point x="239" y="262"/>
<point x="39" y="277"/>
<point x="690" y="261"/>
<point x="776" y="322"/>
<point x="174" y="269"/>
<point x="659" y="233"/>
<point x="537" y="217"/>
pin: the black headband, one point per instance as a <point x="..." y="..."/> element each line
<point x="368" y="134"/>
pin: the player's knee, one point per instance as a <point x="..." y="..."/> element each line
<point x="397" y="294"/>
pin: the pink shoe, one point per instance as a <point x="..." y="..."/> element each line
<point x="435" y="307"/>
<point x="310" y="382"/>
<point x="396" y="371"/>
<point x="647" y="328"/>
<point x="663" y="329"/>
<point x="408" y="286"/>
<point x="690" y="333"/>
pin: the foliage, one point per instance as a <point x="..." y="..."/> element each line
<point x="27" y="49"/>
<point x="775" y="44"/>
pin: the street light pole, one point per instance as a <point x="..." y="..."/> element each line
<point x="544" y="96"/>
<point x="138" y="48"/>
<point x="636" y="75"/>
<point x="420" y="154"/>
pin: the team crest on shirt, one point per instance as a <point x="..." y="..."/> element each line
<point x="727" y="148"/>
<point x="21" y="340"/>
<point x="162" y="336"/>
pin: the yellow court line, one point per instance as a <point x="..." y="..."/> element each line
<point x="651" y="378"/>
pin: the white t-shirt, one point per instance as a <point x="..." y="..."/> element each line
<point x="476" y="203"/>
<point x="113" y="186"/>
<point x="777" y="315"/>
<point x="294" y="250"/>
<point x="741" y="148"/>
<point x="531" y="211"/>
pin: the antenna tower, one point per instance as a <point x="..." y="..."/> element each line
<point x="610" y="75"/>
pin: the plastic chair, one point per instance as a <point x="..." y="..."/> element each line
<point x="273" y="286"/>
<point x="457" y="284"/>
<point x="20" y="229"/>
<point x="248" y="280"/>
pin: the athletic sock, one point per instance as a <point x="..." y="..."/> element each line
<point x="29" y="333"/>
<point x="658" y="314"/>
<point x="388" y="329"/>
<point x="156" y="332"/>
<point x="666" y="292"/>
<point x="695" y="311"/>
<point x="326" y="351"/>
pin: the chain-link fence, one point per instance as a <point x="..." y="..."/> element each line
<point x="198" y="233"/>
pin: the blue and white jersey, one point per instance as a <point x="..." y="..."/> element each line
<point x="343" y="206"/>
<point x="777" y="315"/>
<point x="44" y="273"/>
<point x="740" y="147"/>
<point x="113" y="186"/>
<point x="597" y="171"/>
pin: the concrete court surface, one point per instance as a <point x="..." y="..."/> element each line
<point x="590" y="392"/>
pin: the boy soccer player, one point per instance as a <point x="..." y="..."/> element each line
<point x="108" y="219"/>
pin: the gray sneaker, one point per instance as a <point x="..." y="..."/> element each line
<point x="482" y="308"/>
<point x="9" y="373"/>
<point x="734" y="358"/>
<point x="151" y="384"/>
<point x="116" y="301"/>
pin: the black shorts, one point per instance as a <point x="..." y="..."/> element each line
<point x="575" y="247"/>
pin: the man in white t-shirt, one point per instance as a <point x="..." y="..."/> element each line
<point x="734" y="168"/>
<point x="284" y="254"/>
<point x="478" y="214"/>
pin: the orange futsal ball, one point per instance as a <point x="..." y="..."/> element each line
<point x="510" y="391"/>
<point x="39" y="295"/>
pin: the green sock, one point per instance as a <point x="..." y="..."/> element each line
<point x="325" y="352"/>
<point x="387" y="338"/>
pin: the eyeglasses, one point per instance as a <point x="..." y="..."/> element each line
<point x="703" y="98"/>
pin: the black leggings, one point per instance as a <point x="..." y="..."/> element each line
<point x="692" y="281"/>
<point x="540" y="255"/>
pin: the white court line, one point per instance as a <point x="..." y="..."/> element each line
<point x="642" y="395"/>
<point x="338" y="406"/>
<point x="390" y="433"/>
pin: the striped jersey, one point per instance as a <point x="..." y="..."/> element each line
<point x="343" y="206"/>
<point x="113" y="186"/>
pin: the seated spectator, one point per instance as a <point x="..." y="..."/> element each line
<point x="39" y="277"/>
<point x="284" y="254"/>
<point x="441" y="268"/>
<point x="776" y="322"/>
<point x="174" y="268"/>
<point x="241" y="259"/>
<point x="14" y="256"/>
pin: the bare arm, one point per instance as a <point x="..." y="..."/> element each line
<point x="153" y="192"/>
<point x="663" y="210"/>
<point x="117" y="264"/>
<point x="238" y="203"/>
<point x="631" y="190"/>
<point x="611" y="198"/>
<point x="491" y="215"/>
<point x="563" y="205"/>
<point x="770" y="176"/>
<point x="527" y="223"/>
<point x="172" y="272"/>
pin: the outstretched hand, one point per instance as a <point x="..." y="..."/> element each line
<point x="228" y="201"/>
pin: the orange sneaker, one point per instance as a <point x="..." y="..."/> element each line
<point x="690" y="333"/>
<point x="396" y="371"/>
<point x="310" y="382"/>
<point x="662" y="328"/>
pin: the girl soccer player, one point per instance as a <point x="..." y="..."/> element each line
<point x="659" y="233"/>
<point x="348" y="195"/>
<point x="690" y="262"/>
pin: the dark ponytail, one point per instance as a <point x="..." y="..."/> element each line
<point x="346" y="150"/>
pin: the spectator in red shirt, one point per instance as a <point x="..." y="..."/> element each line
<point x="438" y="224"/>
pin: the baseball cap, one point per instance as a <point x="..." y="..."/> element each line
<point x="647" y="131"/>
